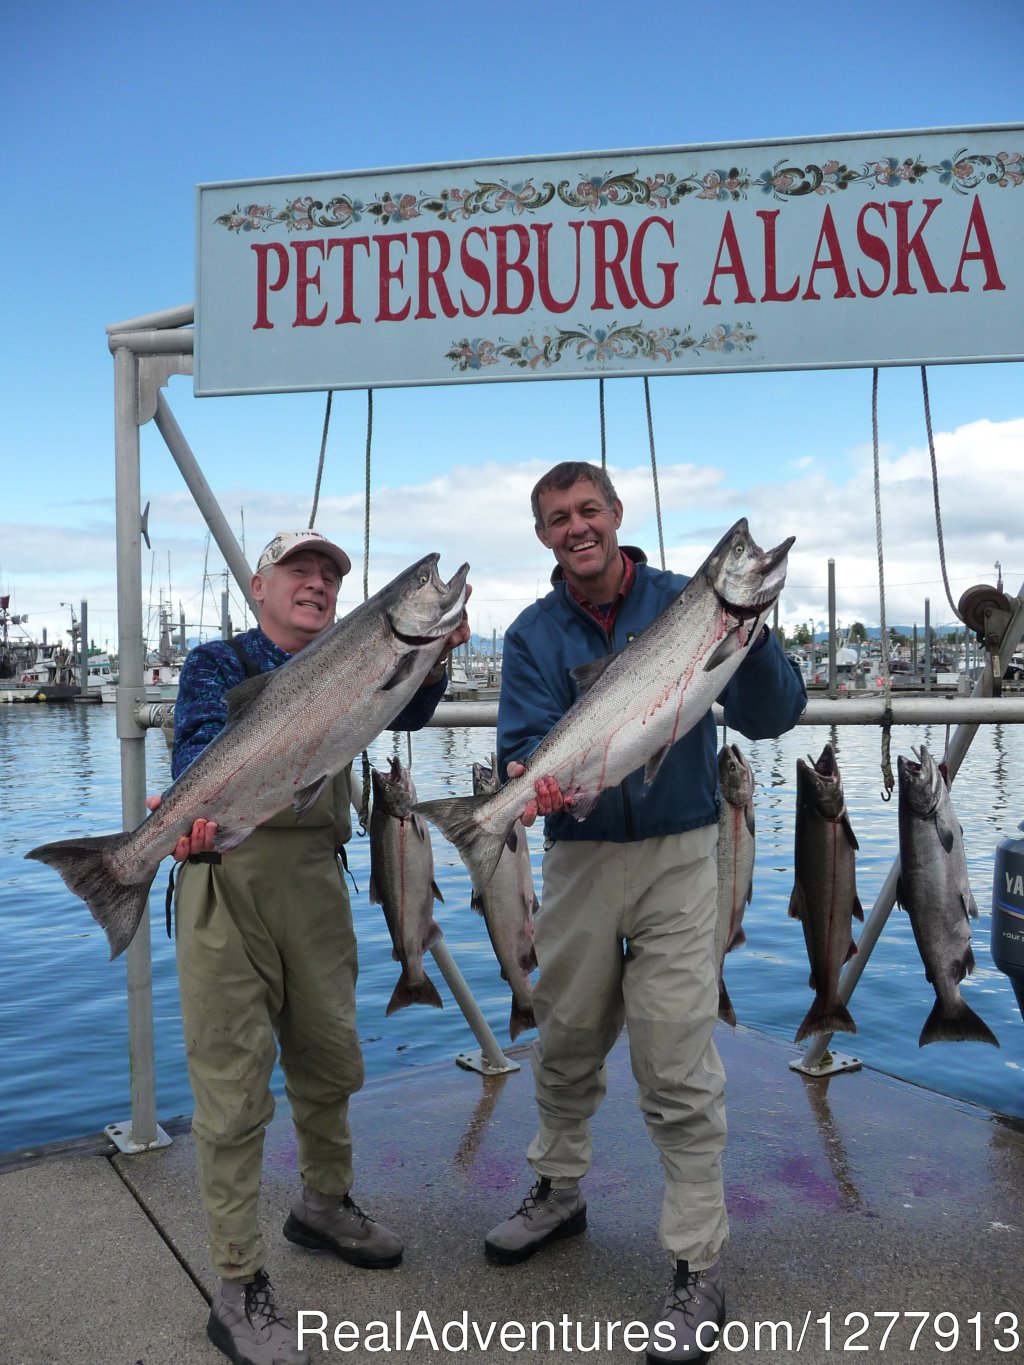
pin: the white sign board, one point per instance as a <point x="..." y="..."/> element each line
<point x="875" y="249"/>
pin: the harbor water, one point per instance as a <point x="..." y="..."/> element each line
<point x="63" y="1012"/>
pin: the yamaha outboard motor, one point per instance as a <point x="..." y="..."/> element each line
<point x="1008" y="913"/>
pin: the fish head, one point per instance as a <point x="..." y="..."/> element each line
<point x="485" y="779"/>
<point x="734" y="775"/>
<point x="421" y="606"/>
<point x="745" y="578"/>
<point x="394" y="791"/>
<point x="820" y="785"/>
<point x="921" y="783"/>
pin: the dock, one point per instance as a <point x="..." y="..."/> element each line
<point x="859" y="1205"/>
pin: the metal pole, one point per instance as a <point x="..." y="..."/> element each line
<point x="142" y="1132"/>
<point x="492" y="1058"/>
<point x="927" y="644"/>
<point x="83" y="652"/>
<point x="832" y="628"/>
<point x="204" y="499"/>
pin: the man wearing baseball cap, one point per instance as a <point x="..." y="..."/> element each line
<point x="266" y="951"/>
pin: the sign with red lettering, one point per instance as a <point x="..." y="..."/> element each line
<point x="875" y="249"/>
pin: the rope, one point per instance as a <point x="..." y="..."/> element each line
<point x="320" y="467"/>
<point x="364" y="807"/>
<point x="887" y="776"/>
<point x="654" y="469"/>
<point x="600" y="401"/>
<point x="935" y="493"/>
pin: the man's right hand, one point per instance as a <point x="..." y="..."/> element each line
<point x="199" y="841"/>
<point x="548" y="796"/>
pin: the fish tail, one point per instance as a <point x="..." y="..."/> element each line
<point x="479" y="848"/>
<point x="957" y="1025"/>
<point x="725" y="1009"/>
<point x="825" y="1017"/>
<point x="407" y="992"/>
<point x="521" y="1018"/>
<point x="117" y="907"/>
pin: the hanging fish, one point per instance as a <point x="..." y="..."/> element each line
<point x="508" y="904"/>
<point x="824" y="897"/>
<point x="934" y="890"/>
<point x="402" y="883"/>
<point x="735" y="862"/>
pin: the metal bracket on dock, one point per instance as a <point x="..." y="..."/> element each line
<point x="829" y="1065"/>
<point x="477" y="1061"/>
<point x="120" y="1134"/>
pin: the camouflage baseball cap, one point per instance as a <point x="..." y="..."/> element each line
<point x="287" y="543"/>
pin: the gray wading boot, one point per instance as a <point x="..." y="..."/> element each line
<point x="324" y="1222"/>
<point x="246" y="1325"/>
<point x="691" y="1317"/>
<point x="544" y="1216"/>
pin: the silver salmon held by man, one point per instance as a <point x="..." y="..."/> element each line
<point x="735" y="862"/>
<point x="634" y="704"/>
<point x="824" y="897"/>
<point x="288" y="732"/>
<point x="508" y="904"/>
<point x="934" y="890"/>
<point x="402" y="883"/>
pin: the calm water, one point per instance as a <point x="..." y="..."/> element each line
<point x="63" y="1023"/>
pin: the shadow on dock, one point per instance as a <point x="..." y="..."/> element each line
<point x="858" y="1196"/>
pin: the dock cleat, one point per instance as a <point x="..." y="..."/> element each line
<point x="247" y="1326"/>
<point x="324" y="1222"/>
<point x="691" y="1318"/>
<point x="544" y="1216"/>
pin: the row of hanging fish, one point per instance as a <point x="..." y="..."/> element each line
<point x="402" y="883"/>
<point x="933" y="887"/>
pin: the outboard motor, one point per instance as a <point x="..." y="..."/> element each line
<point x="1008" y="913"/>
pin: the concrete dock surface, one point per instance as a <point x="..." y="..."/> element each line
<point x="870" y="1219"/>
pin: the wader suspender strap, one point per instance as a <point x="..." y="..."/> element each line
<point x="251" y="671"/>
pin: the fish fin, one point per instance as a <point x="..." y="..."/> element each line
<point x="373" y="892"/>
<point x="958" y="1025"/>
<point x="946" y="834"/>
<point x="436" y="890"/>
<point x="586" y="675"/>
<point x="724" y="650"/>
<point x="239" y="698"/>
<point x="825" y="1018"/>
<point x="738" y="939"/>
<point x="521" y="1018"/>
<point x="117" y="907"/>
<point x="582" y="804"/>
<point x="431" y="934"/>
<point x="970" y="904"/>
<point x="748" y="819"/>
<point x="227" y="839"/>
<point x="653" y="764"/>
<point x="967" y="963"/>
<point x="851" y="951"/>
<point x="406" y="665"/>
<point x="476" y="903"/>
<point x="478" y="848"/>
<point x="512" y="840"/>
<point x="725" y="1010"/>
<point x="306" y="797"/>
<point x="422" y="993"/>
<point x="858" y="909"/>
<point x="796" y="902"/>
<point x="901" y="899"/>
<point x="848" y="830"/>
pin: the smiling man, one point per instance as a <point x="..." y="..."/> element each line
<point x="626" y="926"/>
<point x="267" y="963"/>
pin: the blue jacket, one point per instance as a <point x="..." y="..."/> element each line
<point x="764" y="698"/>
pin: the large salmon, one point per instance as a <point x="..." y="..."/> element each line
<point x="288" y="732"/>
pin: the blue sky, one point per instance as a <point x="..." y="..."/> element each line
<point x="115" y="112"/>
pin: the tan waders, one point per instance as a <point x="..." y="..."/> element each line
<point x="267" y="958"/>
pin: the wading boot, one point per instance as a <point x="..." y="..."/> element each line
<point x="691" y="1318"/>
<point x="246" y="1325"/>
<point x="326" y="1222"/>
<point x="545" y="1215"/>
